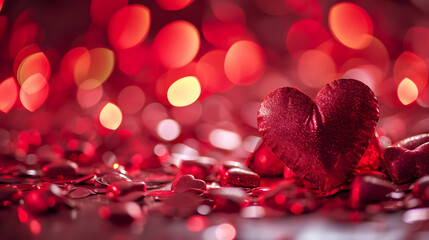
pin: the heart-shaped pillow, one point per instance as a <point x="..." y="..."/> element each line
<point x="322" y="140"/>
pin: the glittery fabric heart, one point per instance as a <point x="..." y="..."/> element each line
<point x="322" y="140"/>
<point x="407" y="159"/>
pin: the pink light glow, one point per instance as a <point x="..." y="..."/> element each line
<point x="8" y="94"/>
<point x="129" y="26"/>
<point x="176" y="44"/>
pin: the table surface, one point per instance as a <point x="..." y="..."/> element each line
<point x="85" y="223"/>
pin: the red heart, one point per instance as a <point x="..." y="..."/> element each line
<point x="187" y="182"/>
<point x="322" y="140"/>
<point x="407" y="159"/>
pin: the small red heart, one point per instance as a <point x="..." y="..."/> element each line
<point x="241" y="177"/>
<point x="188" y="182"/>
<point x="322" y="140"/>
<point x="200" y="167"/>
<point x="407" y="159"/>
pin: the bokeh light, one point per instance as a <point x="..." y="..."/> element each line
<point x="225" y="139"/>
<point x="68" y="64"/>
<point x="196" y="223"/>
<point x="305" y="35"/>
<point x="36" y="63"/>
<point x="315" y="68"/>
<point x="173" y="5"/>
<point x="34" y="92"/>
<point x="129" y="26"/>
<point x="131" y="99"/>
<point x="409" y="65"/>
<point x="8" y="94"/>
<point x="88" y="97"/>
<point x="225" y="24"/>
<point x="368" y="74"/>
<point x="210" y="70"/>
<point x="416" y="39"/>
<point x="184" y="91"/>
<point x="35" y="226"/>
<point x="23" y="54"/>
<point x="152" y="114"/>
<point x="245" y="63"/>
<point x="351" y="25"/>
<point x="225" y="231"/>
<point x="95" y="65"/>
<point x="111" y="116"/>
<point x="133" y="60"/>
<point x="176" y="44"/>
<point x="407" y="91"/>
<point x="136" y="87"/>
<point x="188" y="115"/>
<point x="168" y="129"/>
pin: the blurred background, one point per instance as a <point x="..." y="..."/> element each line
<point x="122" y="80"/>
